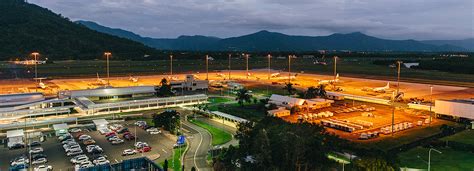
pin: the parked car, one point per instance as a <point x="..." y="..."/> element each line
<point x="83" y="165"/>
<point x="19" y="167"/>
<point x="64" y="137"/>
<point x="100" y="159"/>
<point x="39" y="161"/>
<point x="75" y="130"/>
<point x="155" y="132"/>
<point x="76" y="160"/>
<point x="110" y="134"/>
<point x="34" y="144"/>
<point x="104" y="131"/>
<point x="84" y="137"/>
<point x="117" y="141"/>
<point x="138" y="123"/>
<point x="141" y="144"/>
<point x="122" y="130"/>
<point x="98" y="156"/>
<point x="128" y="136"/>
<point x="17" y="146"/>
<point x="19" y="161"/>
<point x="37" y="156"/>
<point x="110" y="139"/>
<point x="36" y="150"/>
<point x="89" y="142"/>
<point x="75" y="152"/>
<point x="128" y="152"/>
<point x="144" y="149"/>
<point x="68" y="141"/>
<point x="43" y="168"/>
<point x="151" y="129"/>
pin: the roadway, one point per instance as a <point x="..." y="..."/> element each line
<point x="199" y="141"/>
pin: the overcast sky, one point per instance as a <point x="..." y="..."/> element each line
<point x="394" y="19"/>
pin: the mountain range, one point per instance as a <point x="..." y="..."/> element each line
<point x="27" y="28"/>
<point x="273" y="41"/>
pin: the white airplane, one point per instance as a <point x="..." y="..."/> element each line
<point x="274" y="75"/>
<point x="100" y="81"/>
<point x="41" y="84"/>
<point x="329" y="81"/>
<point x="291" y="77"/>
<point x="220" y="75"/>
<point x="133" y="79"/>
<point x="378" y="89"/>
<point x="172" y="78"/>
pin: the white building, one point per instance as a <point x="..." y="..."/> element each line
<point x="190" y="83"/>
<point x="280" y="112"/>
<point x="455" y="108"/>
<point x="289" y="102"/>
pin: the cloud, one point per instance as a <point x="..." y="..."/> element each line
<point x="401" y="19"/>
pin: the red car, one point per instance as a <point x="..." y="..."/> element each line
<point x="128" y="136"/>
<point x="110" y="134"/>
<point x="79" y="134"/>
<point x="144" y="149"/>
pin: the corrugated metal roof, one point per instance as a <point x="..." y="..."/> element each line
<point x="232" y="117"/>
<point x="289" y="100"/>
<point x="114" y="91"/>
<point x="19" y="99"/>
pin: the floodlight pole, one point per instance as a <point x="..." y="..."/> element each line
<point x="393" y="112"/>
<point x="289" y="69"/>
<point x="398" y="77"/>
<point x="35" y="54"/>
<point x="269" y="58"/>
<point x="247" y="63"/>
<point x="107" y="55"/>
<point x="230" y="55"/>
<point x="207" y="67"/>
<point x="335" y="72"/>
<point x="431" y="104"/>
<point x="171" y="65"/>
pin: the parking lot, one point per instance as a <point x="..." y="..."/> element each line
<point x="161" y="145"/>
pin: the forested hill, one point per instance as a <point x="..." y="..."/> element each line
<point x="25" y="28"/>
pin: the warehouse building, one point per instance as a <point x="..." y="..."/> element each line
<point x="456" y="109"/>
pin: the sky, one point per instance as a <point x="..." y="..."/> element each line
<point x="392" y="19"/>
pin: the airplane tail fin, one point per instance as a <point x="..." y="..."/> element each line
<point x="388" y="85"/>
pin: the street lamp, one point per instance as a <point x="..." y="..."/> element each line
<point x="107" y="55"/>
<point x="335" y="71"/>
<point x="207" y="67"/>
<point x="247" y="59"/>
<point x="269" y="58"/>
<point x="35" y="55"/>
<point x="230" y="55"/>
<point x="398" y="77"/>
<point x="429" y="157"/>
<point x="431" y="103"/>
<point x="171" y="65"/>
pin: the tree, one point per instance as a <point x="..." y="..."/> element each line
<point x="289" y="88"/>
<point x="193" y="168"/>
<point x="165" y="89"/>
<point x="321" y="90"/>
<point x="373" y="164"/>
<point x="165" y="165"/>
<point x="311" y="93"/>
<point x="243" y="96"/>
<point x="169" y="120"/>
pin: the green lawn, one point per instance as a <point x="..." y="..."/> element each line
<point x="466" y="136"/>
<point x="248" y="111"/>
<point x="175" y="163"/>
<point x="451" y="160"/>
<point x="218" y="136"/>
<point x="216" y="100"/>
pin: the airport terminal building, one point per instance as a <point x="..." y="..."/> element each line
<point x="33" y="109"/>
<point x="457" y="109"/>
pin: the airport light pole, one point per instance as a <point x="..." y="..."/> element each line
<point x="393" y="112"/>
<point x="398" y="77"/>
<point x="269" y="58"/>
<point x="207" y="67"/>
<point x="431" y="104"/>
<point x="289" y="68"/>
<point x="35" y="55"/>
<point x="230" y="56"/>
<point x="171" y="65"/>
<point x="429" y="157"/>
<point x="247" y="64"/>
<point x="107" y="55"/>
<point x="335" y="72"/>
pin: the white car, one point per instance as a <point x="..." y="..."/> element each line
<point x="151" y="129"/>
<point x="43" y="168"/>
<point x="90" y="147"/>
<point x="155" y="132"/>
<point x="104" y="131"/>
<point x="128" y="152"/>
<point x="80" y="159"/>
<point x="84" y="137"/>
<point x="75" y="130"/>
<point x="36" y="150"/>
<point x="117" y="141"/>
<point x="68" y="141"/>
<point x="140" y="144"/>
<point x="102" y="162"/>
<point x="76" y="152"/>
<point x="19" y="161"/>
<point x="39" y="161"/>
<point x="138" y="123"/>
<point x="70" y="145"/>
<point x="84" y="165"/>
<point x="100" y="159"/>
<point x="72" y="148"/>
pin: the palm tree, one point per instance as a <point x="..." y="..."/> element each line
<point x="311" y="92"/>
<point x="321" y="90"/>
<point x="289" y="88"/>
<point x="243" y="96"/>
